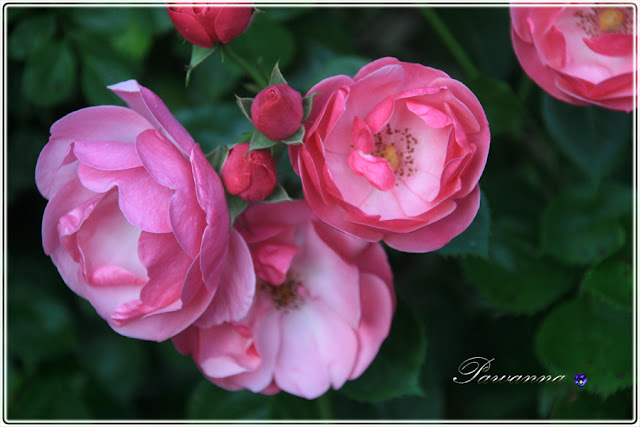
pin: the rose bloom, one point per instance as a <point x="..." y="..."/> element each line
<point x="394" y="154"/>
<point x="580" y="55"/>
<point x="323" y="306"/>
<point x="206" y="25"/>
<point x="137" y="221"/>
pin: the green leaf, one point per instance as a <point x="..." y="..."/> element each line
<point x="612" y="282"/>
<point x="296" y="138"/>
<point x="258" y="141"/>
<point x="307" y="105"/>
<point x="134" y="41"/>
<point x="49" y="74"/>
<point x="578" y="405"/>
<point x="289" y="407"/>
<point x="31" y="34"/>
<point x="504" y="110"/>
<point x="236" y="206"/>
<point x="579" y="227"/>
<point x="583" y="336"/>
<point x="593" y="138"/>
<point x="395" y="372"/>
<point x="41" y="328"/>
<point x="475" y="239"/>
<point x="516" y="280"/>
<point x="209" y="402"/>
<point x="276" y="76"/>
<point x="39" y="398"/>
<point x="265" y="43"/>
<point x="245" y="106"/>
<point x="279" y="194"/>
<point x="347" y="65"/>
<point x="198" y="54"/>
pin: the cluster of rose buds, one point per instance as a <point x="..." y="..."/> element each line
<point x="291" y="295"/>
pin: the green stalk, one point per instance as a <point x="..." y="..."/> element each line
<point x="324" y="407"/>
<point x="447" y="38"/>
<point x="255" y="75"/>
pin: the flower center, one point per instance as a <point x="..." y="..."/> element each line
<point x="287" y="295"/>
<point x="597" y="21"/>
<point x="610" y="20"/>
<point x="396" y="146"/>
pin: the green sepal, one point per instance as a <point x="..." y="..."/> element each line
<point x="279" y="194"/>
<point x="276" y="76"/>
<point x="198" y="54"/>
<point x="245" y="106"/>
<point x="296" y="138"/>
<point x="307" y="105"/>
<point x="258" y="141"/>
<point x="236" y="206"/>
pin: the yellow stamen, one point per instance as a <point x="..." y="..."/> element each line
<point x="610" y="20"/>
<point x="390" y="154"/>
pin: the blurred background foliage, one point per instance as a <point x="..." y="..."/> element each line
<point x="541" y="281"/>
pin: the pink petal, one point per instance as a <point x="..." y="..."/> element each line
<point x="611" y="44"/>
<point x="142" y="200"/>
<point x="375" y="169"/>
<point x="377" y="304"/>
<point x="325" y="89"/>
<point x="108" y="244"/>
<point x="192" y="282"/>
<point x="237" y="286"/>
<point x="272" y="261"/>
<point x="300" y="368"/>
<point x="336" y="341"/>
<point x="223" y="352"/>
<point x="171" y="169"/>
<point x="151" y="107"/>
<point x="436" y="235"/>
<point x="433" y="117"/>
<point x="107" y="155"/>
<point x="361" y="136"/>
<point x="167" y="265"/>
<point x="553" y="48"/>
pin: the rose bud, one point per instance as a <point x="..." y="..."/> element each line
<point x="277" y="111"/>
<point x="583" y="56"/>
<point x="204" y="26"/>
<point x="251" y="176"/>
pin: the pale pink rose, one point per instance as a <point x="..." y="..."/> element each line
<point x="580" y="55"/>
<point x="323" y="306"/>
<point x="137" y="221"/>
<point x="394" y="154"/>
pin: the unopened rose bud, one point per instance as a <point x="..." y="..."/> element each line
<point x="277" y="111"/>
<point x="251" y="176"/>
<point x="204" y="26"/>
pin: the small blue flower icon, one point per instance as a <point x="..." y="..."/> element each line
<point x="580" y="379"/>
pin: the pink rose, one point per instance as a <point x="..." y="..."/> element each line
<point x="251" y="176"/>
<point x="277" y="111"/>
<point x="394" y="154"/>
<point x="323" y="306"/>
<point x="580" y="55"/>
<point x="206" y="25"/>
<point x="137" y="221"/>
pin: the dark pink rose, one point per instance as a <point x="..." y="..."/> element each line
<point x="277" y="111"/>
<point x="206" y="25"/>
<point x="580" y="55"/>
<point x="137" y="221"/>
<point x="394" y="154"/>
<point x="323" y="305"/>
<point x="251" y="176"/>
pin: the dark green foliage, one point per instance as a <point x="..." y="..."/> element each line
<point x="541" y="281"/>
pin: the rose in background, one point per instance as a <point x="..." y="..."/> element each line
<point x="206" y="25"/>
<point x="323" y="306"/>
<point x="137" y="221"/>
<point x="394" y="154"/>
<point x="582" y="56"/>
<point x="250" y="175"/>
